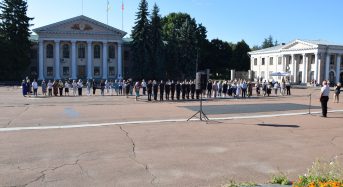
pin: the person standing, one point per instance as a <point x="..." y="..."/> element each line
<point x="94" y="86"/>
<point x="35" y="87"/>
<point x="60" y="87"/>
<point x="337" y="92"/>
<point x="107" y="86"/>
<point x="24" y="88"/>
<point x="244" y="89"/>
<point x="149" y="89"/>
<point x="172" y="89"/>
<point x="137" y="87"/>
<point x="178" y="90"/>
<point x="183" y="90"/>
<point x="50" y="85"/>
<point x="88" y="86"/>
<point x="225" y="86"/>
<point x="74" y="84"/>
<point x="102" y="87"/>
<point x="116" y="87"/>
<point x="192" y="89"/>
<point x="161" y="90"/>
<point x="79" y="87"/>
<point x="167" y="88"/>
<point x="188" y="89"/>
<point x="144" y="86"/>
<point x="66" y="88"/>
<point x="127" y="88"/>
<point x="43" y="87"/>
<point x="155" y="89"/>
<point x="324" y="98"/>
<point x="209" y="89"/>
<point x="120" y="87"/>
<point x="288" y="88"/>
<point x="55" y="87"/>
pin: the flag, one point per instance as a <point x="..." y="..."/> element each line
<point x="122" y="6"/>
<point x="108" y="6"/>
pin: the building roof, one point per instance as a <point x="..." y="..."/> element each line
<point x="296" y="45"/>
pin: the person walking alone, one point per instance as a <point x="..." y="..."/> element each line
<point x="324" y="98"/>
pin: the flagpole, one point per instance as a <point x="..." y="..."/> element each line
<point x="122" y="15"/>
<point x="82" y="8"/>
<point x="107" y="11"/>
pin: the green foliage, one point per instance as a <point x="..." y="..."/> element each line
<point x="280" y="178"/>
<point x="232" y="183"/>
<point x="240" y="59"/>
<point x="14" y="36"/>
<point x="322" y="173"/>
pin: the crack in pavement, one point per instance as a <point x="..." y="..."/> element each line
<point x="9" y="123"/>
<point x="44" y="172"/>
<point x="154" y="181"/>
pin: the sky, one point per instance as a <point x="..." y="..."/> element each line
<point x="228" y="20"/>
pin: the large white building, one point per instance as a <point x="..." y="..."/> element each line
<point x="79" y="47"/>
<point x="304" y="60"/>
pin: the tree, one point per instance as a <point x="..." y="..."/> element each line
<point x="240" y="59"/>
<point x="156" y="46"/>
<point x="140" y="43"/>
<point x="14" y="35"/>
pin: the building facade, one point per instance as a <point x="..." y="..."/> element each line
<point x="80" y="48"/>
<point x="305" y="60"/>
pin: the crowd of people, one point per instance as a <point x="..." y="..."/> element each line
<point x="155" y="90"/>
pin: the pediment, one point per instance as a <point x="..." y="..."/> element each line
<point x="80" y="25"/>
<point x="298" y="45"/>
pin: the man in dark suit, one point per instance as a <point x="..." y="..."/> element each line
<point x="178" y="90"/>
<point x="155" y="89"/>
<point x="172" y="89"/>
<point x="161" y="90"/>
<point x="149" y="89"/>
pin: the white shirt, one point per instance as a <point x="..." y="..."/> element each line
<point x="325" y="90"/>
<point x="35" y="85"/>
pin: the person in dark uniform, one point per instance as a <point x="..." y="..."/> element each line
<point x="94" y="86"/>
<point x="161" y="90"/>
<point x="225" y="88"/>
<point x="192" y="89"/>
<point x="172" y="89"/>
<point x="149" y="89"/>
<point x="178" y="90"/>
<point x="209" y="89"/>
<point x="155" y="89"/>
<point x="167" y="88"/>
<point x="183" y="90"/>
<point x="188" y="89"/>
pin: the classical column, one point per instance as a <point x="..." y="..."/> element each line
<point x="73" y="60"/>
<point x="57" y="60"/>
<point x="41" y="60"/>
<point x="327" y="66"/>
<point x="89" y="60"/>
<point x="104" y="60"/>
<point x="304" y="80"/>
<point x="316" y="66"/>
<point x="120" y="62"/>
<point x="294" y="68"/>
<point x="338" y="67"/>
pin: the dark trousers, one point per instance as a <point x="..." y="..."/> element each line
<point x="94" y="90"/>
<point x="49" y="92"/>
<point x="324" y="102"/>
<point x="144" y="90"/>
<point x="172" y="95"/>
<point x="244" y="92"/>
<point x="61" y="91"/>
<point x="288" y="88"/>
<point x="35" y="92"/>
<point x="161" y="96"/>
<point x="149" y="96"/>
<point x="155" y="96"/>
<point x="80" y="91"/>
<point x="177" y="95"/>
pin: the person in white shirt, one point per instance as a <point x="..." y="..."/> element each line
<point x="50" y="88"/>
<point x="35" y="87"/>
<point x="276" y="87"/>
<point x="88" y="86"/>
<point x="144" y="86"/>
<point x="74" y="84"/>
<point x="79" y="87"/>
<point x="324" y="98"/>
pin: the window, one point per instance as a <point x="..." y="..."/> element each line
<point x="50" y="71"/>
<point x="301" y="59"/>
<point x="111" y="52"/>
<point x="65" y="71"/>
<point x="96" y="51"/>
<point x="81" y="51"/>
<point x="255" y="61"/>
<point x="112" y="71"/>
<point x="280" y="60"/>
<point x="263" y="62"/>
<point x="81" y="71"/>
<point x="332" y="59"/>
<point x="271" y="61"/>
<point x="49" y="51"/>
<point x="96" y="71"/>
<point x="65" y="51"/>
